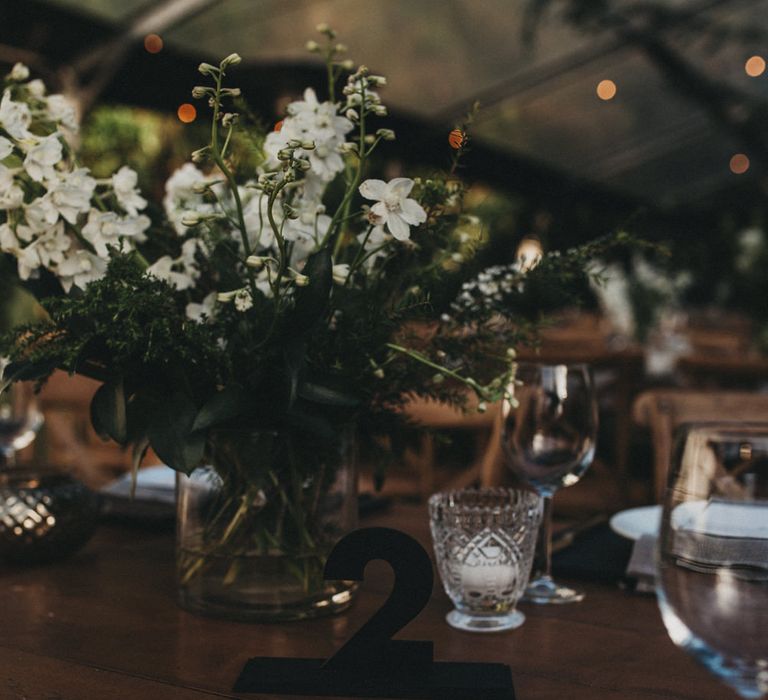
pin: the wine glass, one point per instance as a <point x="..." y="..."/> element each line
<point x="549" y="442"/>
<point x="712" y="558"/>
<point x="20" y="420"/>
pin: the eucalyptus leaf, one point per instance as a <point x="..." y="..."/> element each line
<point x="229" y="403"/>
<point x="109" y="411"/>
<point x="171" y="436"/>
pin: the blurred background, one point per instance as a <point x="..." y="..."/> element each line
<point x="649" y="116"/>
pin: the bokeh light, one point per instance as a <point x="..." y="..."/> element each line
<point x="186" y="113"/>
<point x="153" y="43"/>
<point x="754" y="66"/>
<point x="606" y="89"/>
<point x="739" y="164"/>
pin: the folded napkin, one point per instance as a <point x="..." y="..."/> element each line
<point x="642" y="564"/>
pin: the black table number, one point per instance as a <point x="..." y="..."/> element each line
<point x="371" y="663"/>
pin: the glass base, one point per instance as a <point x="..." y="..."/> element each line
<point x="544" y="591"/>
<point x="485" y="623"/>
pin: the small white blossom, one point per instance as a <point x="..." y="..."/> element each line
<point x="181" y="196"/>
<point x="62" y="110"/>
<point x="42" y="158"/>
<point x="71" y="193"/>
<point x="340" y="273"/>
<point x="6" y="147"/>
<point x="393" y="208"/>
<point x="36" y="88"/>
<point x="243" y="300"/>
<point x="15" y="117"/>
<point x="11" y="195"/>
<point x="80" y="269"/>
<point x="203" y="311"/>
<point x="40" y="214"/>
<point x="104" y="229"/>
<point x="19" y="72"/>
<point x="124" y="183"/>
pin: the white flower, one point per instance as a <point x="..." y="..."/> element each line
<point x="6" y="147"/>
<point x="42" y="158"/>
<point x="311" y="225"/>
<point x="11" y="195"/>
<point x="124" y="183"/>
<point x="319" y="122"/>
<point x="71" y="193"/>
<point x="393" y="208"/>
<point x="36" y="87"/>
<point x="62" y="110"/>
<point x="181" y="273"/>
<point x="203" y="311"/>
<point x="15" y="117"/>
<point x="40" y="214"/>
<point x="243" y="300"/>
<point x="19" y="72"/>
<point x="51" y="246"/>
<point x="106" y="228"/>
<point x="80" y="269"/>
<point x="340" y="273"/>
<point x="255" y="205"/>
<point x="181" y="197"/>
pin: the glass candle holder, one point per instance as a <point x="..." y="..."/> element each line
<point x="484" y="542"/>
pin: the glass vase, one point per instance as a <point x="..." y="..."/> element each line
<point x="254" y="529"/>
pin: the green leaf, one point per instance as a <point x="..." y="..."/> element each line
<point x="109" y="411"/>
<point x="294" y="353"/>
<point x="327" y="396"/>
<point x="312" y="300"/>
<point x="230" y="402"/>
<point x="171" y="436"/>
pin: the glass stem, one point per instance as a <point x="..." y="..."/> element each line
<point x="542" y="562"/>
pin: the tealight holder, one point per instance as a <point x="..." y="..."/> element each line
<point x="484" y="541"/>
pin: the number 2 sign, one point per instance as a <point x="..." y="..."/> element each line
<point x="371" y="664"/>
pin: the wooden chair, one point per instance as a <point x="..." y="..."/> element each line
<point x="663" y="411"/>
<point x="433" y="416"/>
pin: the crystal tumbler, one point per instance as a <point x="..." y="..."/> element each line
<point x="484" y="542"/>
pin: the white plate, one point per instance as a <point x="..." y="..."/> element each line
<point x="636" y="522"/>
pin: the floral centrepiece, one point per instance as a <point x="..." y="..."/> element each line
<point x="268" y="312"/>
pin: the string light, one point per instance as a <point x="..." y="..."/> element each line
<point x="186" y="113"/>
<point x="739" y="164"/>
<point x="153" y="43"/>
<point x="754" y="66"/>
<point x="606" y="90"/>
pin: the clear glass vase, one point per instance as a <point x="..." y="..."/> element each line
<point x="254" y="528"/>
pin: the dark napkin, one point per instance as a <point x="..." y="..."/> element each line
<point x="598" y="554"/>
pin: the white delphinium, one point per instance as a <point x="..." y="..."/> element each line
<point x="393" y="208"/>
<point x="6" y="147"/>
<point x="183" y="194"/>
<point x="42" y="158"/>
<point x="182" y="272"/>
<point x="310" y="224"/>
<point x="204" y="311"/>
<point x="243" y="300"/>
<point x="46" y="250"/>
<point x="40" y="214"/>
<point x="62" y="110"/>
<point x="15" y="117"/>
<point x="106" y="228"/>
<point x="71" y="193"/>
<point x="255" y="204"/>
<point x="124" y="183"/>
<point x="11" y="195"/>
<point x="80" y="269"/>
<point x="309" y="120"/>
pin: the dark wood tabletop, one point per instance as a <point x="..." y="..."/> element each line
<point x="104" y="625"/>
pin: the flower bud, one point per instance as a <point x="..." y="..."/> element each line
<point x="232" y="60"/>
<point x="191" y="218"/>
<point x="352" y="115"/>
<point x="227" y="296"/>
<point x="340" y="48"/>
<point x="340" y="273"/>
<point x="19" y="72"/>
<point x="378" y="373"/>
<point x="207" y="69"/>
<point x="482" y="407"/>
<point x="511" y="353"/>
<point x="229" y="119"/>
<point x="303" y="164"/>
<point x="386" y="134"/>
<point x="438" y="378"/>
<point x="324" y="28"/>
<point x="370" y="138"/>
<point x="199" y="91"/>
<point x="231" y="92"/>
<point x="348" y="147"/>
<point x="200" y="155"/>
<point x="308" y="145"/>
<point x="349" y="64"/>
<point x="255" y="262"/>
<point x="379" y="110"/>
<point x="300" y="280"/>
<point x="312" y="46"/>
<point x="378" y="80"/>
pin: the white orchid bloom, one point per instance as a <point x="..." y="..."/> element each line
<point x="393" y="209"/>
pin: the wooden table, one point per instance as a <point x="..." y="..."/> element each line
<point x="104" y="625"/>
